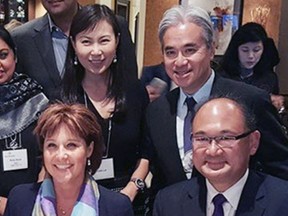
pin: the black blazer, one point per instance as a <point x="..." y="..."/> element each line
<point x="262" y="195"/>
<point x="36" y="55"/>
<point x="271" y="157"/>
<point x="21" y="201"/>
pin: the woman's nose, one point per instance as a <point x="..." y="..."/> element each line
<point x="251" y="54"/>
<point x="96" y="50"/>
<point x="62" y="152"/>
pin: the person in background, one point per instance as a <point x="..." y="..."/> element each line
<point x="94" y="77"/>
<point x="251" y="57"/>
<point x="156" y="80"/>
<point x="187" y="42"/>
<point x="21" y="101"/>
<point x="71" y="142"/>
<point x="42" y="45"/>
<point x="224" y="136"/>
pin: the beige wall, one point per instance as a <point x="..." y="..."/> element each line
<point x="154" y="12"/>
<point x="271" y="22"/>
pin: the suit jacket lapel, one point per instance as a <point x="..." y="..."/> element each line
<point x="252" y="201"/>
<point x="194" y="203"/>
<point x="218" y="86"/>
<point x="43" y="41"/>
<point x="171" y="144"/>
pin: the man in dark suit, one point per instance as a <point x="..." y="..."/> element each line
<point x="42" y="45"/>
<point x="224" y="136"/>
<point x="186" y="36"/>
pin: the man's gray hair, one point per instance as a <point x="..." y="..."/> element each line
<point x="180" y="14"/>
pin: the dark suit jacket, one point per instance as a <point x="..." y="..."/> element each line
<point x="22" y="198"/>
<point x="262" y="195"/>
<point x="36" y="55"/>
<point x="149" y="72"/>
<point x="271" y="157"/>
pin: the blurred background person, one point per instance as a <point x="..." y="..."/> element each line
<point x="251" y="57"/>
<point x="71" y="141"/>
<point x="156" y="80"/>
<point x="21" y="101"/>
<point x="94" y="77"/>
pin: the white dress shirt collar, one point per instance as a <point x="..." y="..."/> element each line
<point x="232" y="195"/>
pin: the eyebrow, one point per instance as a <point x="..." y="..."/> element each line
<point x="201" y="132"/>
<point x="186" y="45"/>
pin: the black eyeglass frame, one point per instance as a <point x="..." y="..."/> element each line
<point x="230" y="138"/>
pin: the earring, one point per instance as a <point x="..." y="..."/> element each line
<point x="115" y="59"/>
<point x="75" y="60"/>
<point x="89" y="166"/>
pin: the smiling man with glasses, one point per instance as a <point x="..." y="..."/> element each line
<point x="224" y="137"/>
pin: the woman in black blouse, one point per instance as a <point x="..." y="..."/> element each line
<point x="94" y="77"/>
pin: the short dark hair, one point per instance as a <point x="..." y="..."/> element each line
<point x="79" y="120"/>
<point x="6" y="37"/>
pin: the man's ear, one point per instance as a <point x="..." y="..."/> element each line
<point x="212" y="51"/>
<point x="254" y="139"/>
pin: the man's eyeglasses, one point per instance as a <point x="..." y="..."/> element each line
<point x="225" y="141"/>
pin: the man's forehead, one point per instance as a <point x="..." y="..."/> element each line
<point x="219" y="106"/>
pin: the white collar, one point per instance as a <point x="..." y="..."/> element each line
<point x="232" y="194"/>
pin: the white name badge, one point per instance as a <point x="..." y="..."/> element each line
<point x="106" y="170"/>
<point x="15" y="159"/>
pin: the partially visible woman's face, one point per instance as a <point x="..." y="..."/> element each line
<point x="96" y="48"/>
<point x="7" y="62"/>
<point x="65" y="156"/>
<point x="250" y="54"/>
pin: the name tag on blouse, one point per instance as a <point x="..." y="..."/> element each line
<point x="15" y="159"/>
<point x="106" y="169"/>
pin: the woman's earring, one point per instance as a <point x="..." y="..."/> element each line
<point x="115" y="59"/>
<point x="75" y="60"/>
<point x="89" y="166"/>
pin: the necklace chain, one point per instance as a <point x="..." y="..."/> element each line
<point x="63" y="211"/>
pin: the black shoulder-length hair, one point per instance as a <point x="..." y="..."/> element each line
<point x="6" y="37"/>
<point x="87" y="18"/>
<point x="250" y="32"/>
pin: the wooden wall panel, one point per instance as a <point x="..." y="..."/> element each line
<point x="273" y="19"/>
<point x="154" y="13"/>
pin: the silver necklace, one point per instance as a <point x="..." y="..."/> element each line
<point x="11" y="142"/>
